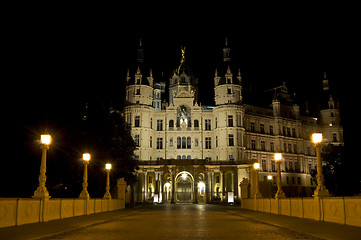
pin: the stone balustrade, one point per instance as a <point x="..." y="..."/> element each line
<point x="343" y="210"/>
<point x="18" y="211"/>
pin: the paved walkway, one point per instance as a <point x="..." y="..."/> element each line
<point x="182" y="222"/>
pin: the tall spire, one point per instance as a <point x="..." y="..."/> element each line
<point x="140" y="52"/>
<point x="226" y="52"/>
<point x="325" y="82"/>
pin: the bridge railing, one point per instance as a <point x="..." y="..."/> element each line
<point x="18" y="211"/>
<point x="343" y="210"/>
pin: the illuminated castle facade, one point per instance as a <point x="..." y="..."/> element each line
<point x="192" y="153"/>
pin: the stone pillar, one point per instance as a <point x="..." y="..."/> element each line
<point x="232" y="174"/>
<point x="145" y="185"/>
<point x="160" y="187"/>
<point x="172" y="197"/>
<point x="195" y="176"/>
<point x="221" y="183"/>
<point x="212" y="186"/>
<point x="121" y="186"/>
<point x="208" y="187"/>
<point x="156" y="187"/>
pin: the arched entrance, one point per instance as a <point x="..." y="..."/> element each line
<point x="184" y="187"/>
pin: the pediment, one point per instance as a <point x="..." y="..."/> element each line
<point x="184" y="94"/>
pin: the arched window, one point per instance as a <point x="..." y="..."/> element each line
<point x="188" y="142"/>
<point x="189" y="157"/>
<point x="178" y="157"/>
<point x="196" y="123"/>
<point x="184" y="157"/>
<point x="179" y="142"/>
<point x="171" y="123"/>
<point x="184" y="142"/>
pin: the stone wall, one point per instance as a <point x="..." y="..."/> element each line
<point x="344" y="210"/>
<point x="18" y="211"/>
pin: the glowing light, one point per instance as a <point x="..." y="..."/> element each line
<point x="45" y="139"/>
<point x="256" y="166"/>
<point x="156" y="198"/>
<point x="230" y="197"/>
<point x="167" y="185"/>
<point x="278" y="156"/>
<point x="184" y="176"/>
<point x="317" y="138"/>
<point x="201" y="186"/>
<point x="86" y="157"/>
<point x="108" y="166"/>
<point x="269" y="177"/>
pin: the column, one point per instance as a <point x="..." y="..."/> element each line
<point x="172" y="197"/>
<point x="156" y="187"/>
<point x="212" y="186"/>
<point x="232" y="173"/>
<point x="208" y="187"/>
<point x="145" y="185"/>
<point x="221" y="184"/>
<point x="161" y="186"/>
<point x="195" y="176"/>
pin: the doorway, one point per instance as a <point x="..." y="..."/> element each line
<point x="184" y="189"/>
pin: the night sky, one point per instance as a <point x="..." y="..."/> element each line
<point x="55" y="64"/>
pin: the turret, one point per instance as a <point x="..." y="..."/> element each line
<point x="330" y="116"/>
<point x="276" y="106"/>
<point x="226" y="52"/>
<point x="227" y="87"/>
<point x="139" y="88"/>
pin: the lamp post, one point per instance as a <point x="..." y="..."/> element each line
<point x="321" y="190"/>
<point x="84" y="193"/>
<point x="279" y="193"/>
<point x="41" y="191"/>
<point x="107" y="195"/>
<point x="256" y="167"/>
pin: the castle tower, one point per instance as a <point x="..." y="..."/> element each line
<point x="228" y="113"/>
<point x="227" y="87"/>
<point x="139" y="88"/>
<point x="139" y="111"/>
<point x="330" y="116"/>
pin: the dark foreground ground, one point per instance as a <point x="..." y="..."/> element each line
<point x="182" y="222"/>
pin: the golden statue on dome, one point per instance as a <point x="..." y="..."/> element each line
<point x="183" y="50"/>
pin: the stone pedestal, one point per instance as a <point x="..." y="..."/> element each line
<point x="121" y="186"/>
<point x="244" y="185"/>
